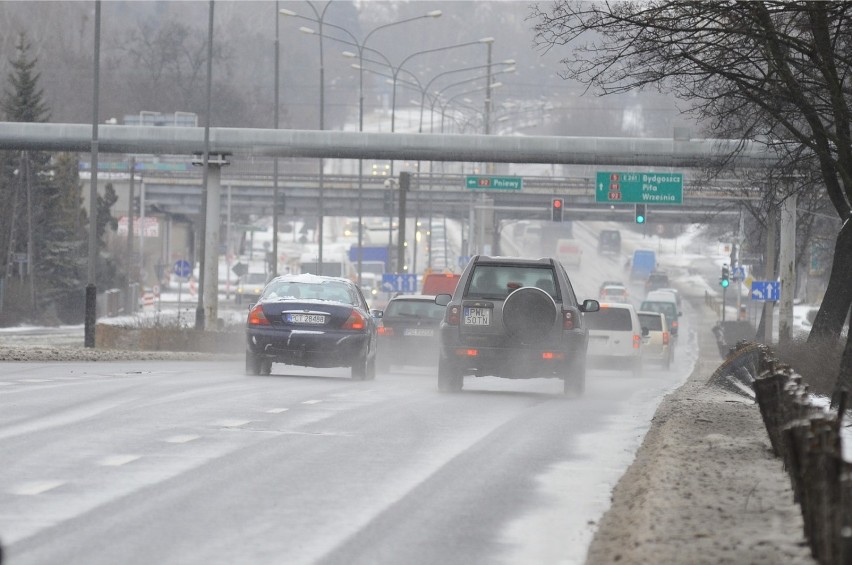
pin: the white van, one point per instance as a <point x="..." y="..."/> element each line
<point x="615" y="337"/>
<point x="666" y="303"/>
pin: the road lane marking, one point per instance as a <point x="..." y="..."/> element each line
<point x="312" y="402"/>
<point x="118" y="460"/>
<point x="277" y="410"/>
<point x="35" y="487"/>
<point x="36" y="380"/>
<point x="231" y="423"/>
<point x="4" y="383"/>
<point x="181" y="439"/>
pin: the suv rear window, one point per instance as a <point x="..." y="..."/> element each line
<point x="653" y="323"/>
<point x="611" y="319"/>
<point x="497" y="281"/>
<point x="667" y="308"/>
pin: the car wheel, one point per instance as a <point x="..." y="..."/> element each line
<point x="371" y="369"/>
<point x="574" y="382"/>
<point x="265" y="367"/>
<point x="359" y="369"/>
<point x="252" y="364"/>
<point x="450" y="378"/>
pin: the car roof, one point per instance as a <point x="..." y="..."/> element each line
<point x="648" y="313"/>
<point x="413" y="298"/>
<point x="310" y="279"/>
<point x="502" y="260"/>
<point x="615" y="286"/>
<point x="617" y="305"/>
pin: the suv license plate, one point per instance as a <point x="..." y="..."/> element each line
<point x="315" y="319"/>
<point x="477" y="316"/>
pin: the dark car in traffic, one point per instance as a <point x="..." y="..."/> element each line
<point x="609" y="241"/>
<point x="408" y="331"/>
<point x="514" y="318"/>
<point x="311" y="321"/>
<point x="656" y="280"/>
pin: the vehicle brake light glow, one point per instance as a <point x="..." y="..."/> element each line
<point x="354" y="322"/>
<point x="567" y="320"/>
<point x="665" y="338"/>
<point x="552" y="355"/>
<point x="454" y="315"/>
<point x="385" y="331"/>
<point x="467" y="352"/>
<point x="637" y="341"/>
<point x="257" y="318"/>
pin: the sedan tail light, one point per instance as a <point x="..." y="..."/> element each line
<point x="385" y="331"/>
<point x="257" y="318"/>
<point x="354" y="322"/>
<point x="454" y="315"/>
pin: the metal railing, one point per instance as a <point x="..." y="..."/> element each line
<point x="807" y="437"/>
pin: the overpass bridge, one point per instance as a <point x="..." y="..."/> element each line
<point x="430" y="195"/>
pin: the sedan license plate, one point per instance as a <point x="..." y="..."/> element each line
<point x="314" y="319"/>
<point x="418" y="332"/>
<point x="477" y="316"/>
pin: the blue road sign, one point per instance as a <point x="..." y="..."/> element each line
<point x="738" y="273"/>
<point x="766" y="291"/>
<point x="183" y="268"/>
<point x="399" y="282"/>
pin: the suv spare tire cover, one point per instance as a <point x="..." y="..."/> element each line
<point x="529" y="314"/>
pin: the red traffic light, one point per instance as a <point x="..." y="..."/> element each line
<point x="557" y="203"/>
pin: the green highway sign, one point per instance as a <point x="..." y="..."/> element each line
<point x="639" y="188"/>
<point x="494" y="183"/>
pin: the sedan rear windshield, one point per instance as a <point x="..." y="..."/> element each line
<point x="497" y="281"/>
<point x="610" y="319"/>
<point x="653" y="322"/>
<point x="415" y="309"/>
<point x="332" y="291"/>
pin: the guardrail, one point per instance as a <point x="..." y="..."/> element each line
<point x="807" y="437"/>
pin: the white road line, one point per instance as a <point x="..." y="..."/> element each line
<point x="4" y="383"/>
<point x="231" y="423"/>
<point x="181" y="439"/>
<point x="35" y="487"/>
<point x="117" y="460"/>
<point x="36" y="380"/>
<point x="277" y="410"/>
<point x="312" y="402"/>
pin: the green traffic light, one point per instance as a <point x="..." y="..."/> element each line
<point x="724" y="283"/>
<point x="640" y="219"/>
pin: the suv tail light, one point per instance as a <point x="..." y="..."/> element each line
<point x="454" y="315"/>
<point x="637" y="341"/>
<point x="257" y="318"/>
<point x="354" y="322"/>
<point x="567" y="320"/>
<point x="665" y="338"/>
<point x="674" y="327"/>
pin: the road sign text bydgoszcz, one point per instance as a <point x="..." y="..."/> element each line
<point x="494" y="183"/>
<point x="639" y="188"/>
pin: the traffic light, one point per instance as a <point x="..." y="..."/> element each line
<point x="726" y="276"/>
<point x="641" y="213"/>
<point x="556" y="206"/>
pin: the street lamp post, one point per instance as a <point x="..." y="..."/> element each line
<point x="275" y="210"/>
<point x="361" y="47"/>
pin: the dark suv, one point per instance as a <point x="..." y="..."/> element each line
<point x="609" y="241"/>
<point x="513" y="318"/>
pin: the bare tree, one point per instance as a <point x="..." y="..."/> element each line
<point x="775" y="72"/>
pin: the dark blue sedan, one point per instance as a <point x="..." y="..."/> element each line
<point x="311" y="321"/>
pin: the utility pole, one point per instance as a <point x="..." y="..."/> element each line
<point x="769" y="307"/>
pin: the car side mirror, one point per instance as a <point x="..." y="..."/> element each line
<point x="645" y="332"/>
<point x="443" y="299"/>
<point x="251" y="306"/>
<point x="590" y="305"/>
<point x="377" y="313"/>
